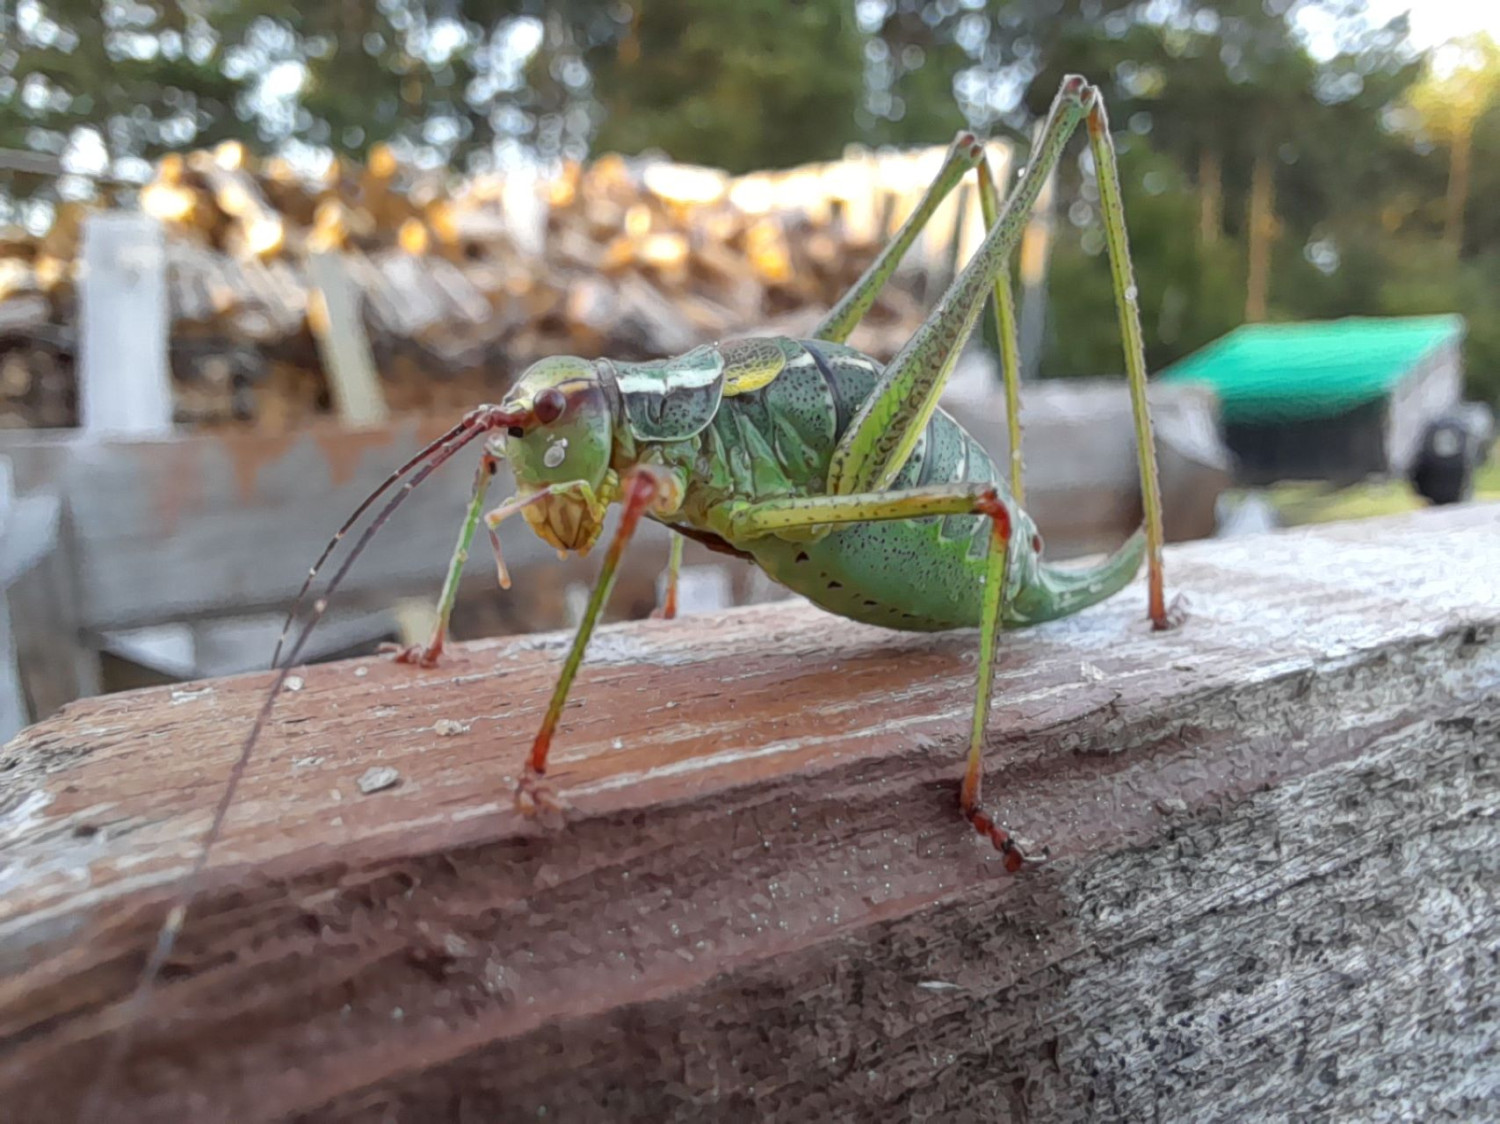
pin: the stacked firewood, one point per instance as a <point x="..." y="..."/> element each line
<point x="460" y="288"/>
<point x="36" y="304"/>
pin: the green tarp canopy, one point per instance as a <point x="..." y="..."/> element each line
<point x="1294" y="372"/>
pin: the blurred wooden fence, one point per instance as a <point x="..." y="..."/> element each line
<point x="178" y="549"/>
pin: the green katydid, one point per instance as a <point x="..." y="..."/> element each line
<point x="840" y="478"/>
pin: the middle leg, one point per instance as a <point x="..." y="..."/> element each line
<point x="667" y="610"/>
<point x="426" y="655"/>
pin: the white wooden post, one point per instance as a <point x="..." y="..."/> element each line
<point x="342" y="344"/>
<point x="124" y="380"/>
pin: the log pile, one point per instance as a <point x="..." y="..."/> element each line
<point x="36" y="305"/>
<point x="461" y="287"/>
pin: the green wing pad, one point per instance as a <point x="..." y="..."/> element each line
<point x="804" y="420"/>
<point x="776" y="440"/>
<point x="672" y="399"/>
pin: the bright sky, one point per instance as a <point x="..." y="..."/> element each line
<point x="1437" y="21"/>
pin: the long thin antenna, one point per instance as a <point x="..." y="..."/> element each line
<point x="439" y="452"/>
<point x="312" y="573"/>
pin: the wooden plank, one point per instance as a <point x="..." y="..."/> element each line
<point x="1274" y="856"/>
<point x="58" y="661"/>
<point x="226" y="524"/>
<point x="124" y="384"/>
<point x="14" y="712"/>
<point x="1082" y="480"/>
<point x="23" y="314"/>
<point x="13" y="709"/>
<point x="340" y="332"/>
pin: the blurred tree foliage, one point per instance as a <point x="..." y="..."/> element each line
<point x="114" y="82"/>
<point x="1281" y="158"/>
<point x="1460" y="84"/>
<point x="740" y="86"/>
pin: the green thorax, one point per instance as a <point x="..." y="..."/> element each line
<point x="767" y="429"/>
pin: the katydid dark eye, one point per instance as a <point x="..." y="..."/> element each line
<point x="549" y="406"/>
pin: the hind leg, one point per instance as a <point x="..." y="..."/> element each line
<point x="1122" y="276"/>
<point x="1004" y="306"/>
<point x="875" y="446"/>
<point x="878" y="441"/>
<point x="963" y="154"/>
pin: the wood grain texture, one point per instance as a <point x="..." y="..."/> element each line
<point x="1272" y="890"/>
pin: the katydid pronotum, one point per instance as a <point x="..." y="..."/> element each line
<point x="841" y="478"/>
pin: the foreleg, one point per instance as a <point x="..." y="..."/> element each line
<point x="645" y="487"/>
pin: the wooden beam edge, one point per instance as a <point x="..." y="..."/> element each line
<point x="258" y="949"/>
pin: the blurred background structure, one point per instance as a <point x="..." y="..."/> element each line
<point x="251" y="256"/>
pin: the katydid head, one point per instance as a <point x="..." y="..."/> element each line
<point x="567" y="437"/>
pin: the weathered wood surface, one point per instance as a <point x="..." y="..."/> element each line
<point x="1272" y="891"/>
